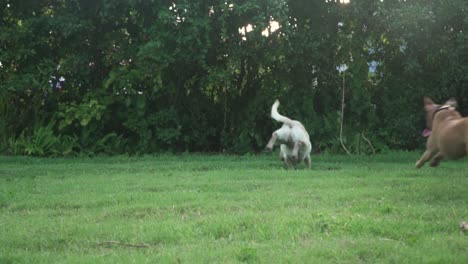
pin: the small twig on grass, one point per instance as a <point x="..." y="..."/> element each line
<point x="389" y="239"/>
<point x="454" y="214"/>
<point x="123" y="244"/>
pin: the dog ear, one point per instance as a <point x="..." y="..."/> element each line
<point x="452" y="102"/>
<point x="428" y="103"/>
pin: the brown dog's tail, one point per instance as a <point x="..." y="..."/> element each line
<point x="276" y="116"/>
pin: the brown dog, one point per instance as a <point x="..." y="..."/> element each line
<point x="447" y="131"/>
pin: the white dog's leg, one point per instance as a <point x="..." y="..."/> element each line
<point x="289" y="163"/>
<point x="295" y="152"/>
<point x="307" y="160"/>
<point x="285" y="156"/>
<point x="272" y="142"/>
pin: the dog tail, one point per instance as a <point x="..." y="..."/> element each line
<point x="276" y="116"/>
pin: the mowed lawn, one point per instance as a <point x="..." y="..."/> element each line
<point x="232" y="209"/>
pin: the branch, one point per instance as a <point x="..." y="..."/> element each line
<point x="342" y="117"/>
<point x="368" y="141"/>
<point x="123" y="244"/>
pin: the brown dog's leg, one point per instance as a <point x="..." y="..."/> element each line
<point x="436" y="160"/>
<point x="425" y="157"/>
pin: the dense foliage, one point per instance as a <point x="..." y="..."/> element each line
<point x="142" y="76"/>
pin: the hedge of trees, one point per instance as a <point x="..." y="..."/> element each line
<point x="145" y="76"/>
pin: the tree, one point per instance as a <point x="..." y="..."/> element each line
<point x="149" y="76"/>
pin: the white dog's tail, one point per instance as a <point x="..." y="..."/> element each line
<point x="276" y="116"/>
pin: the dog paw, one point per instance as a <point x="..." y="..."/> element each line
<point x="418" y="164"/>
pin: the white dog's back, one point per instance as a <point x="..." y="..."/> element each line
<point x="297" y="132"/>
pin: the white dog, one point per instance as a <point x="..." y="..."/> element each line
<point x="293" y="139"/>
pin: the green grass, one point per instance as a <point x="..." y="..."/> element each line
<point x="232" y="209"/>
